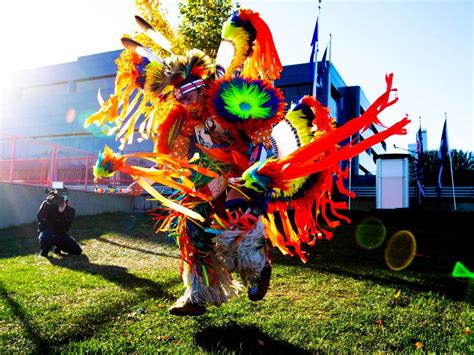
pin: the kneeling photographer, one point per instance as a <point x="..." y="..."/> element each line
<point x="55" y="217"/>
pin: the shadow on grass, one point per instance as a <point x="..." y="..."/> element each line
<point x="40" y="344"/>
<point x="244" y="340"/>
<point x="143" y="288"/>
<point x="18" y="241"/>
<point x="23" y="240"/>
<point x="86" y="325"/>
<point x="138" y="249"/>
<point x="451" y="288"/>
<point x="343" y="256"/>
<point x="116" y="274"/>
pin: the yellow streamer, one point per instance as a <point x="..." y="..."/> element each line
<point x="168" y="203"/>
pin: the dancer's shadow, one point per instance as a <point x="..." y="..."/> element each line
<point x="145" y="251"/>
<point x="116" y="274"/>
<point x="40" y="344"/>
<point x="243" y="340"/>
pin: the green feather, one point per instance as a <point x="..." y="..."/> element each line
<point x="246" y="102"/>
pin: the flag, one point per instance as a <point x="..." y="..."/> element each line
<point x="419" y="166"/>
<point x="314" y="44"/>
<point x="322" y="69"/>
<point x="443" y="154"/>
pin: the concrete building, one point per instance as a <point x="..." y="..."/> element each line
<point x="344" y="102"/>
<point x="51" y="104"/>
<point x="412" y="146"/>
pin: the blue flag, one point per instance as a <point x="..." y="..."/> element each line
<point x="443" y="154"/>
<point x="419" y="166"/>
<point x="314" y="42"/>
<point x="322" y="69"/>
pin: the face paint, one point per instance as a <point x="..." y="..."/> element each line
<point x="190" y="98"/>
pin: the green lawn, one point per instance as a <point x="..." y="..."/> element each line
<point x="115" y="299"/>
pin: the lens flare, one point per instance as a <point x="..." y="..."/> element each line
<point x="461" y="271"/>
<point x="370" y="233"/>
<point x="400" y="250"/>
<point x="70" y="115"/>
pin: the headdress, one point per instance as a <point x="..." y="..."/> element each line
<point x="239" y="99"/>
<point x="179" y="74"/>
<point x="247" y="45"/>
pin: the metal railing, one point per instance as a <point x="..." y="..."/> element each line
<point x="24" y="160"/>
<point x="430" y="191"/>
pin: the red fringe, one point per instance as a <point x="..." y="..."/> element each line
<point x="239" y="160"/>
<point x="162" y="140"/>
<point x="264" y="61"/>
<point x="306" y="160"/>
<point x="321" y="156"/>
<point x="321" y="114"/>
<point x="315" y="202"/>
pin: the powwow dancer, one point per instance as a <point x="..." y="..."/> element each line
<point x="235" y="160"/>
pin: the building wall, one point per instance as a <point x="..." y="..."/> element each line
<point x="51" y="103"/>
<point x="344" y="103"/>
<point x="20" y="203"/>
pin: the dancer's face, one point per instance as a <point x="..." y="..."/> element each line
<point x="193" y="101"/>
<point x="190" y="98"/>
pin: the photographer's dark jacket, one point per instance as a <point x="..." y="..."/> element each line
<point x="49" y="217"/>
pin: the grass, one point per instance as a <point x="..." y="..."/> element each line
<point x="115" y="299"/>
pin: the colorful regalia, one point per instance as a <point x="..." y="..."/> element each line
<point x="246" y="175"/>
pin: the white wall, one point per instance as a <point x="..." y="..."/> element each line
<point x="19" y="203"/>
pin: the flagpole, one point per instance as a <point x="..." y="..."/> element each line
<point x="315" y="74"/>
<point x="419" y="166"/>
<point x="330" y="46"/>
<point x="450" y="163"/>
<point x="350" y="176"/>
<point x="329" y="69"/>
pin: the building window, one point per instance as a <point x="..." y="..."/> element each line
<point x="335" y="94"/>
<point x="94" y="84"/>
<point x="364" y="170"/>
<point x="44" y="90"/>
<point x="375" y="130"/>
<point x="294" y="93"/>
<point x="374" y="155"/>
<point x="369" y="150"/>
<point x="334" y="102"/>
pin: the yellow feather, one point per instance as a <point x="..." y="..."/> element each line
<point x="168" y="203"/>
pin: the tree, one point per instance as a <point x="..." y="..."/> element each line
<point x="463" y="169"/>
<point x="201" y="23"/>
<point x="154" y="14"/>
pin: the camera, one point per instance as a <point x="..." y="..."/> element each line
<point x="57" y="194"/>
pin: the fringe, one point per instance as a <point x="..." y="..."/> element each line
<point x="243" y="254"/>
<point x="198" y="290"/>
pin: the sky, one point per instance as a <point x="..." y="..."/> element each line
<point x="427" y="44"/>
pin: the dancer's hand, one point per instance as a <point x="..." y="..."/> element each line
<point x="251" y="179"/>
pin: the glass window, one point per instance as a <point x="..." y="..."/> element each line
<point x="95" y="83"/>
<point x="44" y="90"/>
